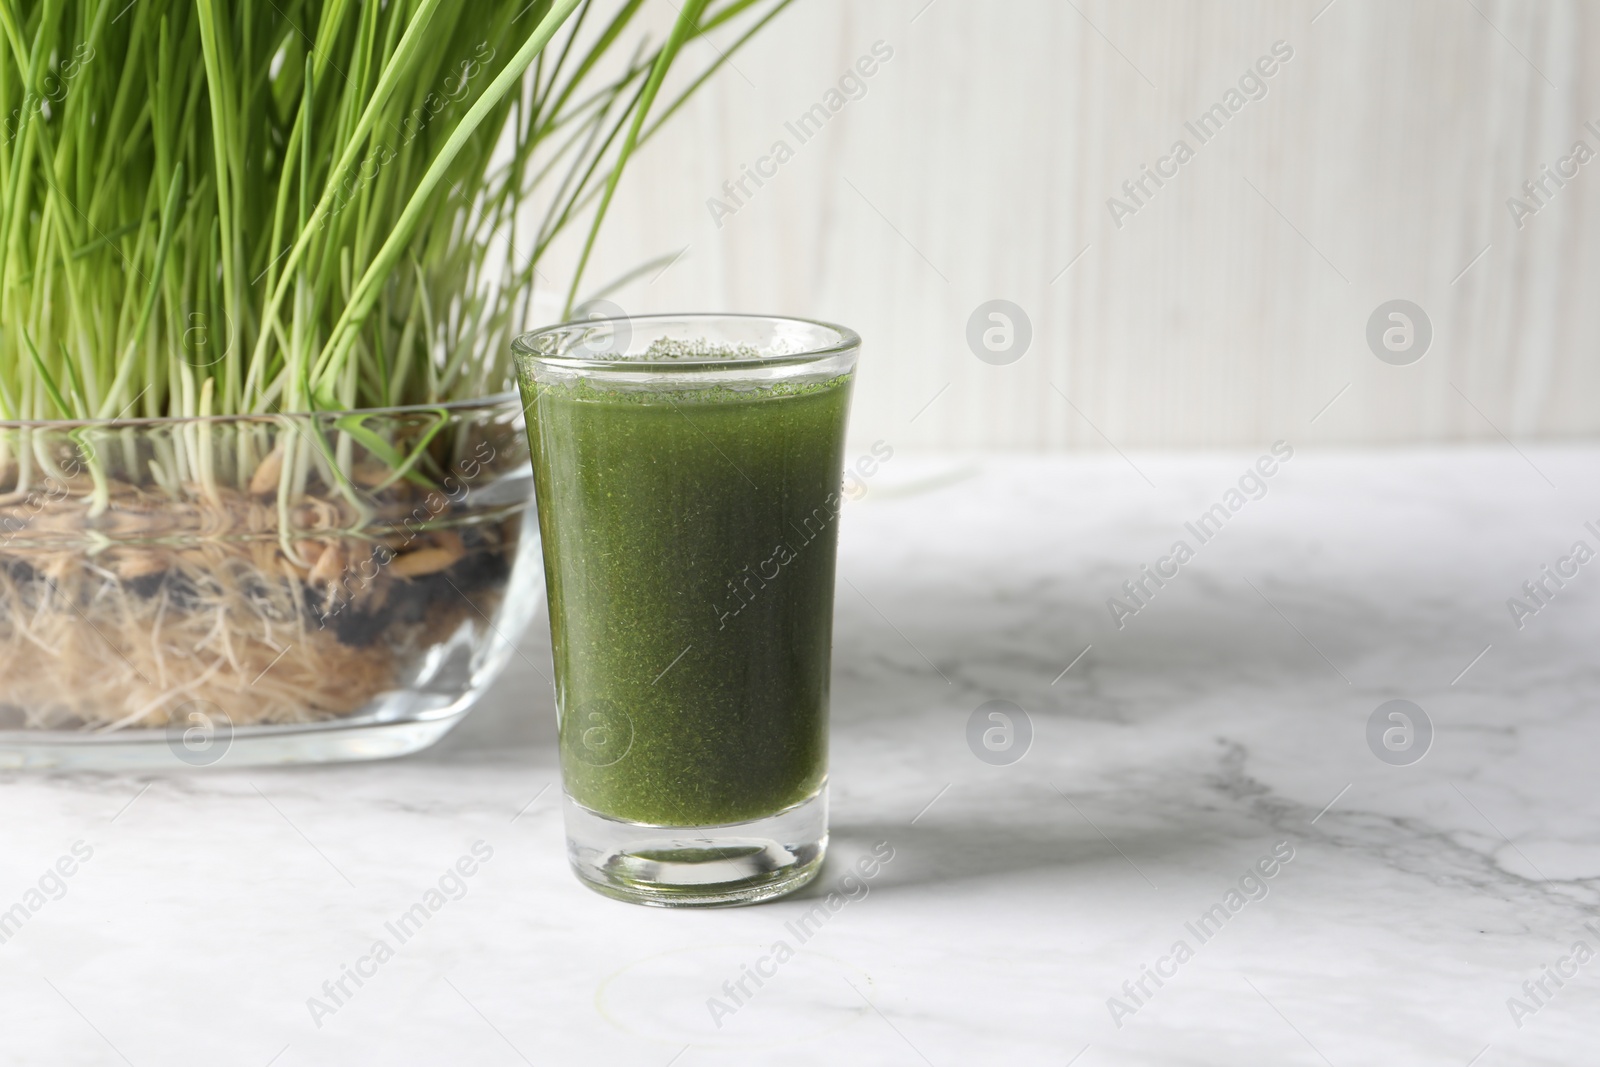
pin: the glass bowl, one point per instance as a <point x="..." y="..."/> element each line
<point x="258" y="589"/>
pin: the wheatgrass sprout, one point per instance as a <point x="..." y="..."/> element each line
<point x="265" y="219"/>
<point x="309" y="205"/>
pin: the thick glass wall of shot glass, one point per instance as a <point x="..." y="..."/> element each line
<point x="687" y="470"/>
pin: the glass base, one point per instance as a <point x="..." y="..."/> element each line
<point x="698" y="866"/>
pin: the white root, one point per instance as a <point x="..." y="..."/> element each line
<point x="234" y="620"/>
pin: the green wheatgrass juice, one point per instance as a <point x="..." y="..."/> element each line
<point x="689" y="543"/>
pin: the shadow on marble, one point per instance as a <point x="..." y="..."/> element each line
<point x="937" y="856"/>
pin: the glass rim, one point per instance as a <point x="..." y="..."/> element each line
<point x="522" y="346"/>
<point x="488" y="402"/>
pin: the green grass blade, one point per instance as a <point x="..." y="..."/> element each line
<point x="687" y="19"/>
<point x="46" y="379"/>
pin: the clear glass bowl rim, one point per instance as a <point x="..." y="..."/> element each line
<point x="522" y="347"/>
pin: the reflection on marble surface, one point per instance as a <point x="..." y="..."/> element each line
<point x="1025" y="901"/>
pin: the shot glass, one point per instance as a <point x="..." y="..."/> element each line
<point x="687" y="470"/>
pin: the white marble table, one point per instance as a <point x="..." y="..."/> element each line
<point x="1227" y="718"/>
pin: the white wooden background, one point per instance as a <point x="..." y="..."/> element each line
<point x="1230" y="309"/>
